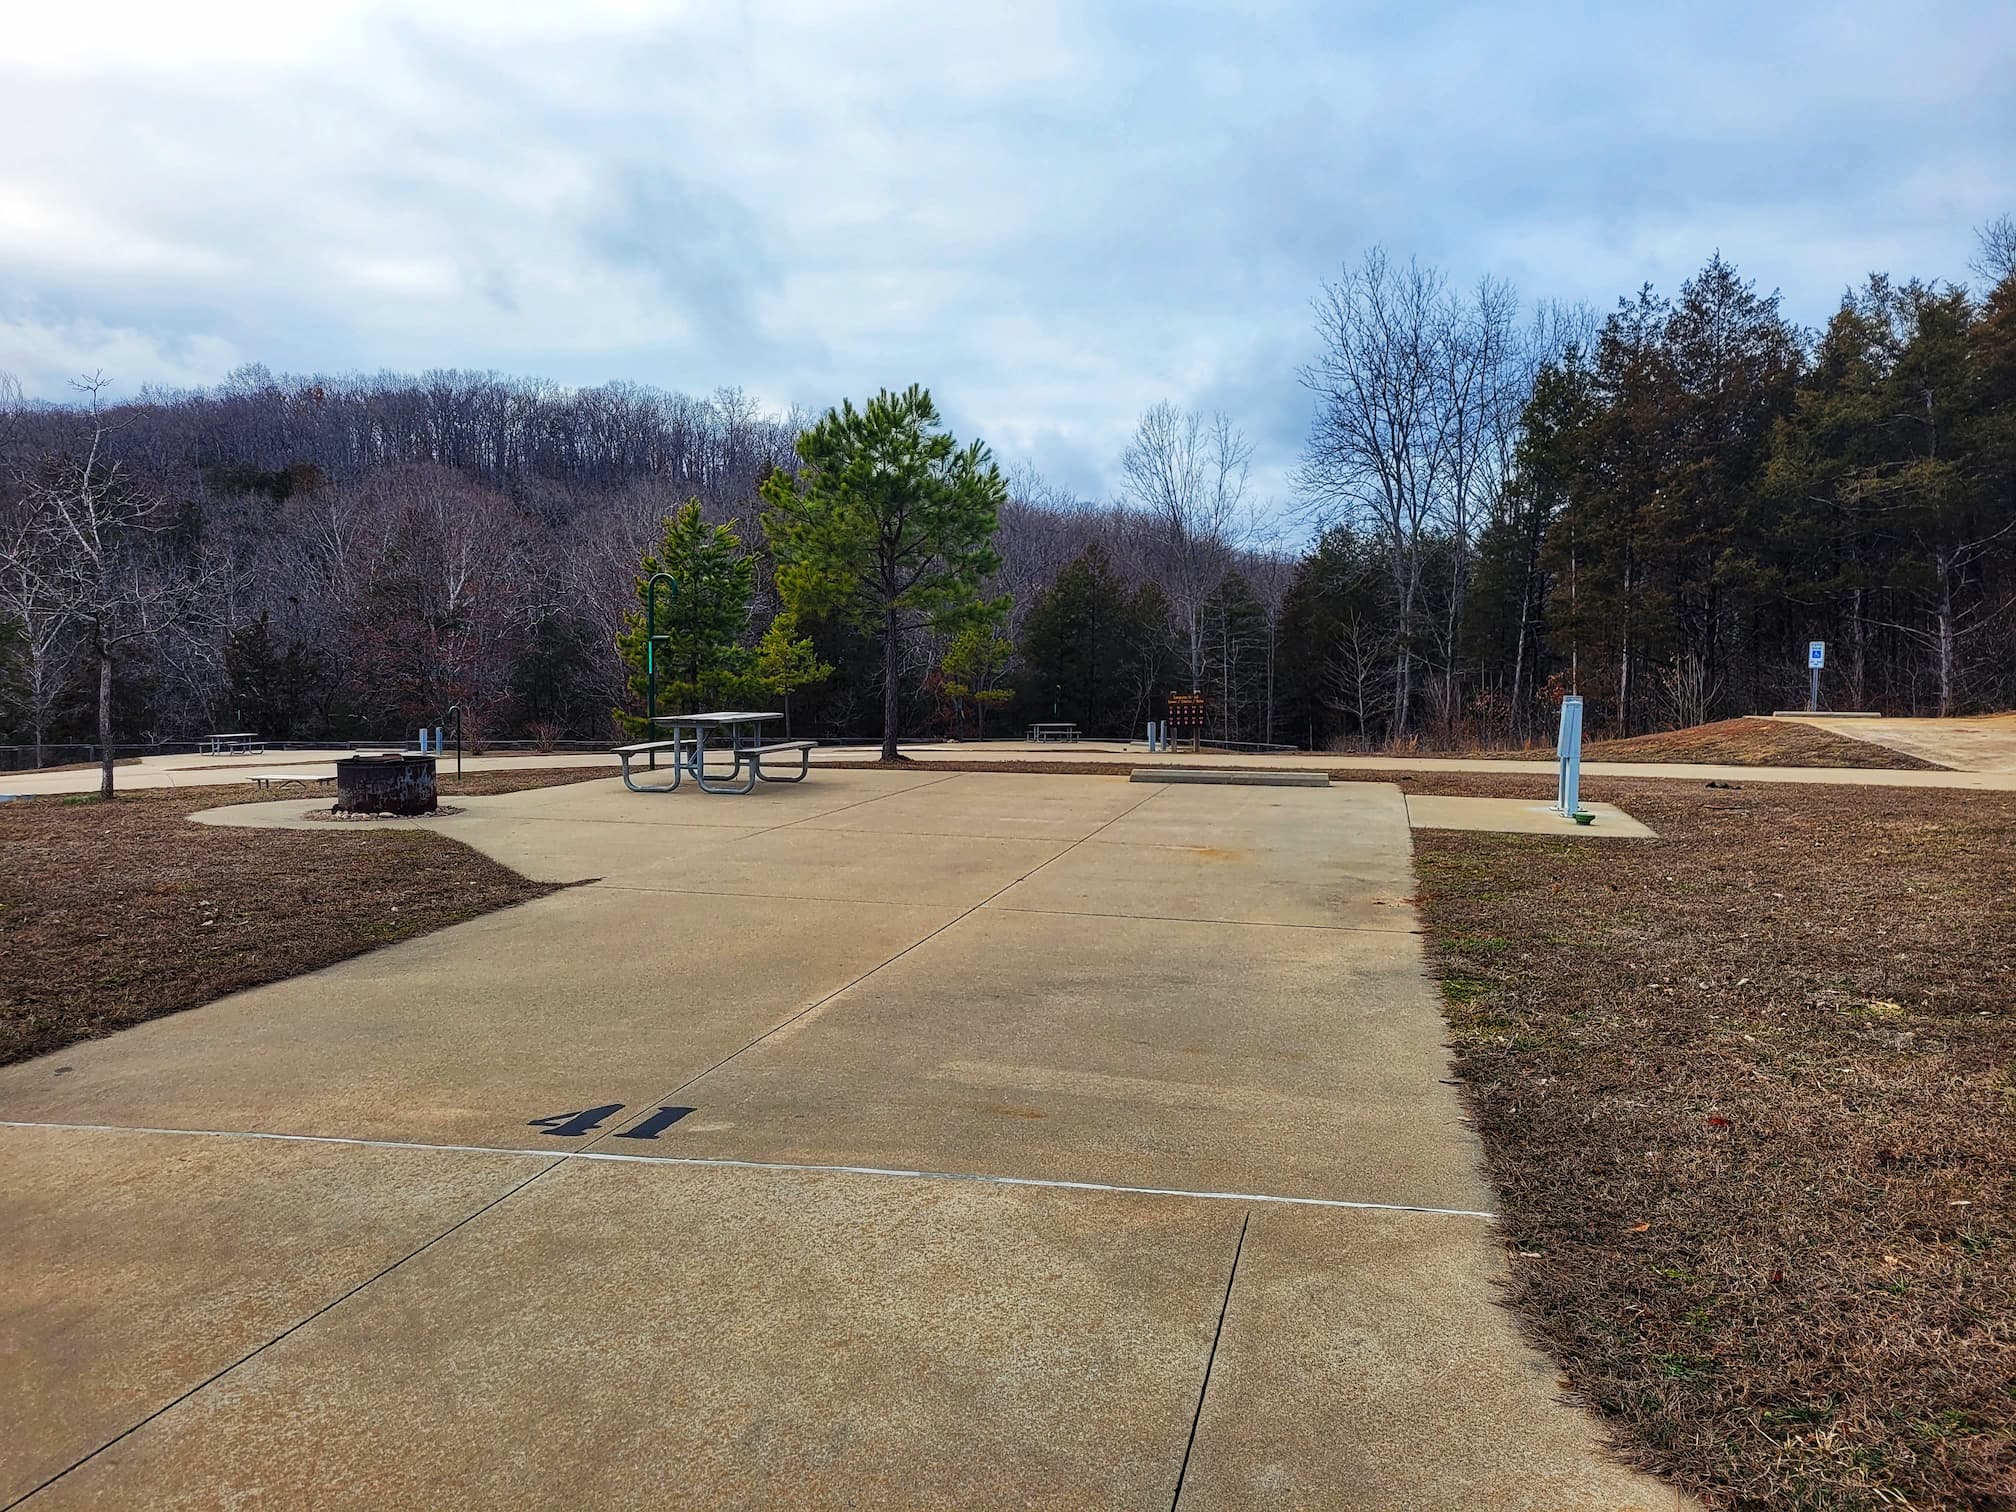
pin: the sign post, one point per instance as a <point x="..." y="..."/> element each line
<point x="1568" y="754"/>
<point x="1816" y="658"/>
<point x="1186" y="712"/>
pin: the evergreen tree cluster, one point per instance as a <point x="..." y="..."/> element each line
<point x="1657" y="511"/>
<point x="1704" y="491"/>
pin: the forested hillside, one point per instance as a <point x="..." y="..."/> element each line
<point x="1658" y="509"/>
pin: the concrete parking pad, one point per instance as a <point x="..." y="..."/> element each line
<point x="545" y="847"/>
<point x="575" y="1000"/>
<point x="1520" y="816"/>
<point x="625" y="1336"/>
<point x="1234" y="884"/>
<point x="1350" y="817"/>
<point x="1335" y="857"/>
<point x="138" y="1266"/>
<point x="1002" y="806"/>
<point x="769" y="804"/>
<point x="1361" y="1354"/>
<point x="1141" y="1051"/>
<point x="953" y="871"/>
<point x="819" y="1027"/>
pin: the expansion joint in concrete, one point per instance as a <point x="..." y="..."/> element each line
<point x="1211" y="1359"/>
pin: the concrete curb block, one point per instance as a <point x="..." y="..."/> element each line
<point x="1222" y="778"/>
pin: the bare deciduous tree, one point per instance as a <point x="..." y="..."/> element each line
<point x="1185" y="473"/>
<point x="1271" y="571"/>
<point x="1376" y="448"/>
<point x="87" y="551"/>
<point x="1995" y="255"/>
<point x="41" y="634"/>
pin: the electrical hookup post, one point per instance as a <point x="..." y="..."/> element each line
<point x="1568" y="754"/>
<point x="1816" y="658"/>
<point x="1186" y="712"/>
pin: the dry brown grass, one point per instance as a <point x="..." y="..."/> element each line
<point x="111" y="914"/>
<point x="1745" y="1094"/>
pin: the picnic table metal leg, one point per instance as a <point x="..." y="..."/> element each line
<point x="650" y="787"/>
<point x="726" y="786"/>
<point x="804" y="766"/>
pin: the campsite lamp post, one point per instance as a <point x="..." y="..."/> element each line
<point x="651" y="651"/>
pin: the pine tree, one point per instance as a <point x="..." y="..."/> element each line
<point x="972" y="666"/>
<point x="1082" y="639"/>
<point x="700" y="621"/>
<point x="271" y="688"/>
<point x="890" y="522"/>
<point x="1335" y="642"/>
<point x="1233" y="625"/>
<point x="786" y="662"/>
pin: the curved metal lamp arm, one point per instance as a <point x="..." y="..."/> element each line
<point x="456" y="710"/>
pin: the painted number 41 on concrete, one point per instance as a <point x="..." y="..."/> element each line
<point x="587" y="1120"/>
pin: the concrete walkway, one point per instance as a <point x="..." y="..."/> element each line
<point x="1982" y="753"/>
<point x="897" y="1139"/>
<point x="1982" y="743"/>
<point x="1989" y="778"/>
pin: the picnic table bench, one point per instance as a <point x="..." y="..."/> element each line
<point x="233" y="743"/>
<point x="265" y="780"/>
<point x="1053" y="730"/>
<point x="687" y="746"/>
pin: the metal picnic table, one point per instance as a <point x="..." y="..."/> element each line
<point x="737" y="733"/>
<point x="233" y="743"/>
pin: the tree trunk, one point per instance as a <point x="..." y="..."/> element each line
<point x="37" y="690"/>
<point x="105" y="720"/>
<point x="1267" y="728"/>
<point x="1858" y="671"/>
<point x="1945" y="636"/>
<point x="1403" y="651"/>
<point x="892" y="701"/>
<point x="1457" y="585"/>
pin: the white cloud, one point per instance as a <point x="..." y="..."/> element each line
<point x="1055" y="214"/>
<point x="46" y="355"/>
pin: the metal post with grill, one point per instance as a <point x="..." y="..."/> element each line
<point x="1187" y="711"/>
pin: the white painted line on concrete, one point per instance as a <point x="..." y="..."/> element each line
<point x="757" y="1165"/>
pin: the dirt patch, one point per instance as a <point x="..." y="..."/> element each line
<point x="111" y="914"/>
<point x="1742" y="742"/>
<point x="1745" y="1094"/>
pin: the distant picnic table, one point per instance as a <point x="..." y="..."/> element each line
<point x="233" y="743"/>
<point x="1053" y="730"/>
<point x="737" y="733"/>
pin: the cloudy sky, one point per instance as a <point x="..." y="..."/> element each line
<point x="1052" y="214"/>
